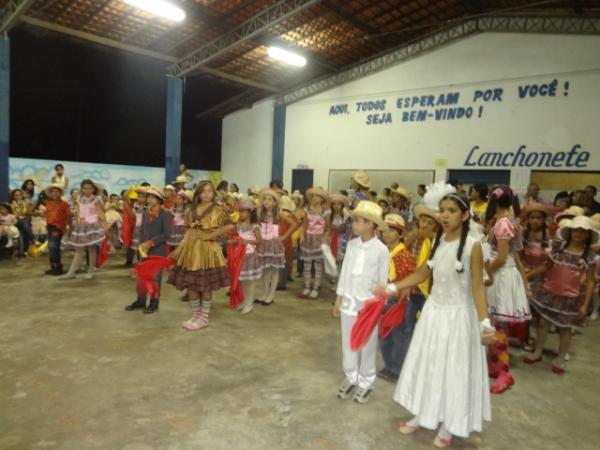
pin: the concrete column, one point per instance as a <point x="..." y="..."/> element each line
<point x="4" y="114"/>
<point x="173" y="134"/>
<point x="278" y="142"/>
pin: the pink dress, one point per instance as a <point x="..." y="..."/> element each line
<point x="315" y="232"/>
<point x="177" y="228"/>
<point x="86" y="228"/>
<point x="562" y="292"/>
<point x="507" y="297"/>
<point x="271" y="251"/>
<point x="252" y="267"/>
<point x="534" y="255"/>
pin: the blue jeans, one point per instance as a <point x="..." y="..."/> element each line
<point x="54" y="237"/>
<point x="395" y="345"/>
<point x="25" y="229"/>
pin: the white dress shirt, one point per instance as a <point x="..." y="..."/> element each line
<point x="365" y="266"/>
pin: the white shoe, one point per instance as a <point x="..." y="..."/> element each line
<point x="593" y="316"/>
<point x="313" y="294"/>
<point x="67" y="276"/>
<point x="9" y="244"/>
<point x="88" y="276"/>
<point x="306" y="292"/>
<point x="247" y="309"/>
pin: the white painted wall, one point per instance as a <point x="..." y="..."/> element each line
<point x="247" y="146"/>
<point x="324" y="142"/>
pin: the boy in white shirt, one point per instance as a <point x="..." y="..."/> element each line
<point x="365" y="266"/>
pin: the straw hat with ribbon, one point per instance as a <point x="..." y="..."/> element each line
<point x="156" y="192"/>
<point x="396" y="222"/>
<point x="317" y="191"/>
<point x="185" y="195"/>
<point x="60" y="187"/>
<point x="569" y="213"/>
<point x="362" y="178"/>
<point x="339" y="198"/>
<point x="268" y="192"/>
<point x="370" y="211"/>
<point x="580" y="223"/>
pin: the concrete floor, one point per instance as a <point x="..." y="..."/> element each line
<point x="78" y="372"/>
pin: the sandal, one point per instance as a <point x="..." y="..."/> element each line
<point x="504" y="381"/>
<point x="532" y="360"/>
<point x="440" y="442"/>
<point x="405" y="428"/>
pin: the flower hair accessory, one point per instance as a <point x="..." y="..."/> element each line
<point x="435" y="193"/>
<point x="498" y="192"/>
<point x="458" y="265"/>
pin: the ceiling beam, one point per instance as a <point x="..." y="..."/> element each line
<point x="12" y="12"/>
<point x="140" y="51"/>
<point x="232" y="102"/>
<point x="275" y="14"/>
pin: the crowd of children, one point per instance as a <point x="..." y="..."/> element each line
<point x="473" y="271"/>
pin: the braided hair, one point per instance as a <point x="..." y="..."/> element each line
<point x="462" y="202"/>
<point x="545" y="241"/>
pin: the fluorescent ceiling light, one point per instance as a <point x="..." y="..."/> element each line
<point x="161" y="8"/>
<point x="287" y="57"/>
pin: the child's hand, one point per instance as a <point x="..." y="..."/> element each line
<point x="583" y="310"/>
<point x="336" y="308"/>
<point x="489" y="281"/>
<point x="380" y="290"/>
<point x="488" y="337"/>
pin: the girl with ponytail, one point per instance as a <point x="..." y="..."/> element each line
<point x="444" y="379"/>
<point x="507" y="285"/>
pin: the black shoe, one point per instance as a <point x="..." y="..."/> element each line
<point x="290" y="279"/>
<point x="55" y="271"/>
<point x="259" y="302"/>
<point x="267" y="303"/>
<point x="184" y="298"/>
<point x="281" y="287"/>
<point x="138" y="304"/>
<point x="152" y="307"/>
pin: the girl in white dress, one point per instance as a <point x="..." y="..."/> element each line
<point x="507" y="285"/>
<point x="444" y="379"/>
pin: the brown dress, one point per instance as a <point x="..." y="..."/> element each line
<point x="199" y="263"/>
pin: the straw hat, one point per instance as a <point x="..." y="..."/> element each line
<point x="188" y="196"/>
<point x="569" y="213"/>
<point x="383" y="198"/>
<point x="339" y="198"/>
<point x="317" y="191"/>
<point x="168" y="186"/>
<point x="246" y="203"/>
<point x="402" y="192"/>
<point x="180" y="179"/>
<point x="141" y="189"/>
<point x="370" y="211"/>
<point x="156" y="192"/>
<point x="423" y="210"/>
<point x="287" y="203"/>
<point x="395" y="221"/>
<point x="60" y="187"/>
<point x="270" y="193"/>
<point x="583" y="223"/>
<point x="596" y="220"/>
<point x="297" y="194"/>
<point x="539" y="207"/>
<point x="362" y="178"/>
